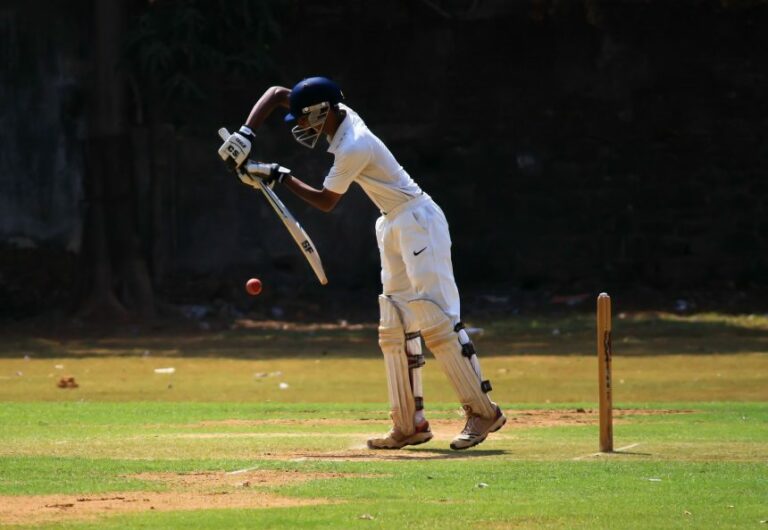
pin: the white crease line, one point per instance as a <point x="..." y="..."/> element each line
<point x="220" y="435"/>
<point x="246" y="470"/>
<point x="620" y="449"/>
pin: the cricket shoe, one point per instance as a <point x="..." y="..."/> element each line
<point x="477" y="429"/>
<point x="395" y="439"/>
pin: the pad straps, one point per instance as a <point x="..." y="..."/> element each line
<point x="468" y="351"/>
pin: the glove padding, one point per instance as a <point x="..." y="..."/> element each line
<point x="235" y="149"/>
<point x="268" y="173"/>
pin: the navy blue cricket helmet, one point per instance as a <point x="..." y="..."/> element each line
<point x="312" y="91"/>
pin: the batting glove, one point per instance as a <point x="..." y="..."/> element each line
<point x="235" y="149"/>
<point x="268" y="173"/>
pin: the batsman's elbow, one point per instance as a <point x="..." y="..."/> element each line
<point x="328" y="200"/>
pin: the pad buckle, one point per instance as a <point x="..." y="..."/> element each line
<point x="485" y="386"/>
<point x="468" y="349"/>
<point x="416" y="361"/>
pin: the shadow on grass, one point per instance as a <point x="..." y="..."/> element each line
<point x="638" y="334"/>
<point x="410" y="455"/>
<point x="611" y="454"/>
<point x="444" y="454"/>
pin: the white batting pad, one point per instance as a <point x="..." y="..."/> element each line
<point x="392" y="343"/>
<point x="443" y="342"/>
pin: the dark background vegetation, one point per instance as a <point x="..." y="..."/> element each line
<point x="575" y="146"/>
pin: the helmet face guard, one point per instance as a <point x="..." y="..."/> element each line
<point x="316" y="116"/>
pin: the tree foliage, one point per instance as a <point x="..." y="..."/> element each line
<point x="172" y="46"/>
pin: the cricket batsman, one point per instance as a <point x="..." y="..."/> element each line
<point x="419" y="295"/>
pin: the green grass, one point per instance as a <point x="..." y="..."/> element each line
<point x="183" y="430"/>
<point x="710" y="463"/>
<point x="690" y="427"/>
<point x="604" y="494"/>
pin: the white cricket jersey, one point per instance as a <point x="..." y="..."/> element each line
<point x="359" y="156"/>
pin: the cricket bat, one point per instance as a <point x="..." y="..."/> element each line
<point x="301" y="238"/>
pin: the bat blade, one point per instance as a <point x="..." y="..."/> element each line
<point x="298" y="234"/>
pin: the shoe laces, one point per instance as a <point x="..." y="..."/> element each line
<point x="471" y="425"/>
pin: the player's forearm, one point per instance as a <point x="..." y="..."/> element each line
<point x="274" y="97"/>
<point x="321" y="199"/>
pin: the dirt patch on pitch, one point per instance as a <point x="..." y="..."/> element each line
<point x="516" y="419"/>
<point x="577" y="416"/>
<point x="243" y="478"/>
<point x="191" y="491"/>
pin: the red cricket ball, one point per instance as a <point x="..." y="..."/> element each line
<point x="253" y="286"/>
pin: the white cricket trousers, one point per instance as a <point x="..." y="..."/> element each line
<point x="415" y="248"/>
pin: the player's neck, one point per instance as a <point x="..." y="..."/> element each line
<point x="332" y="124"/>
